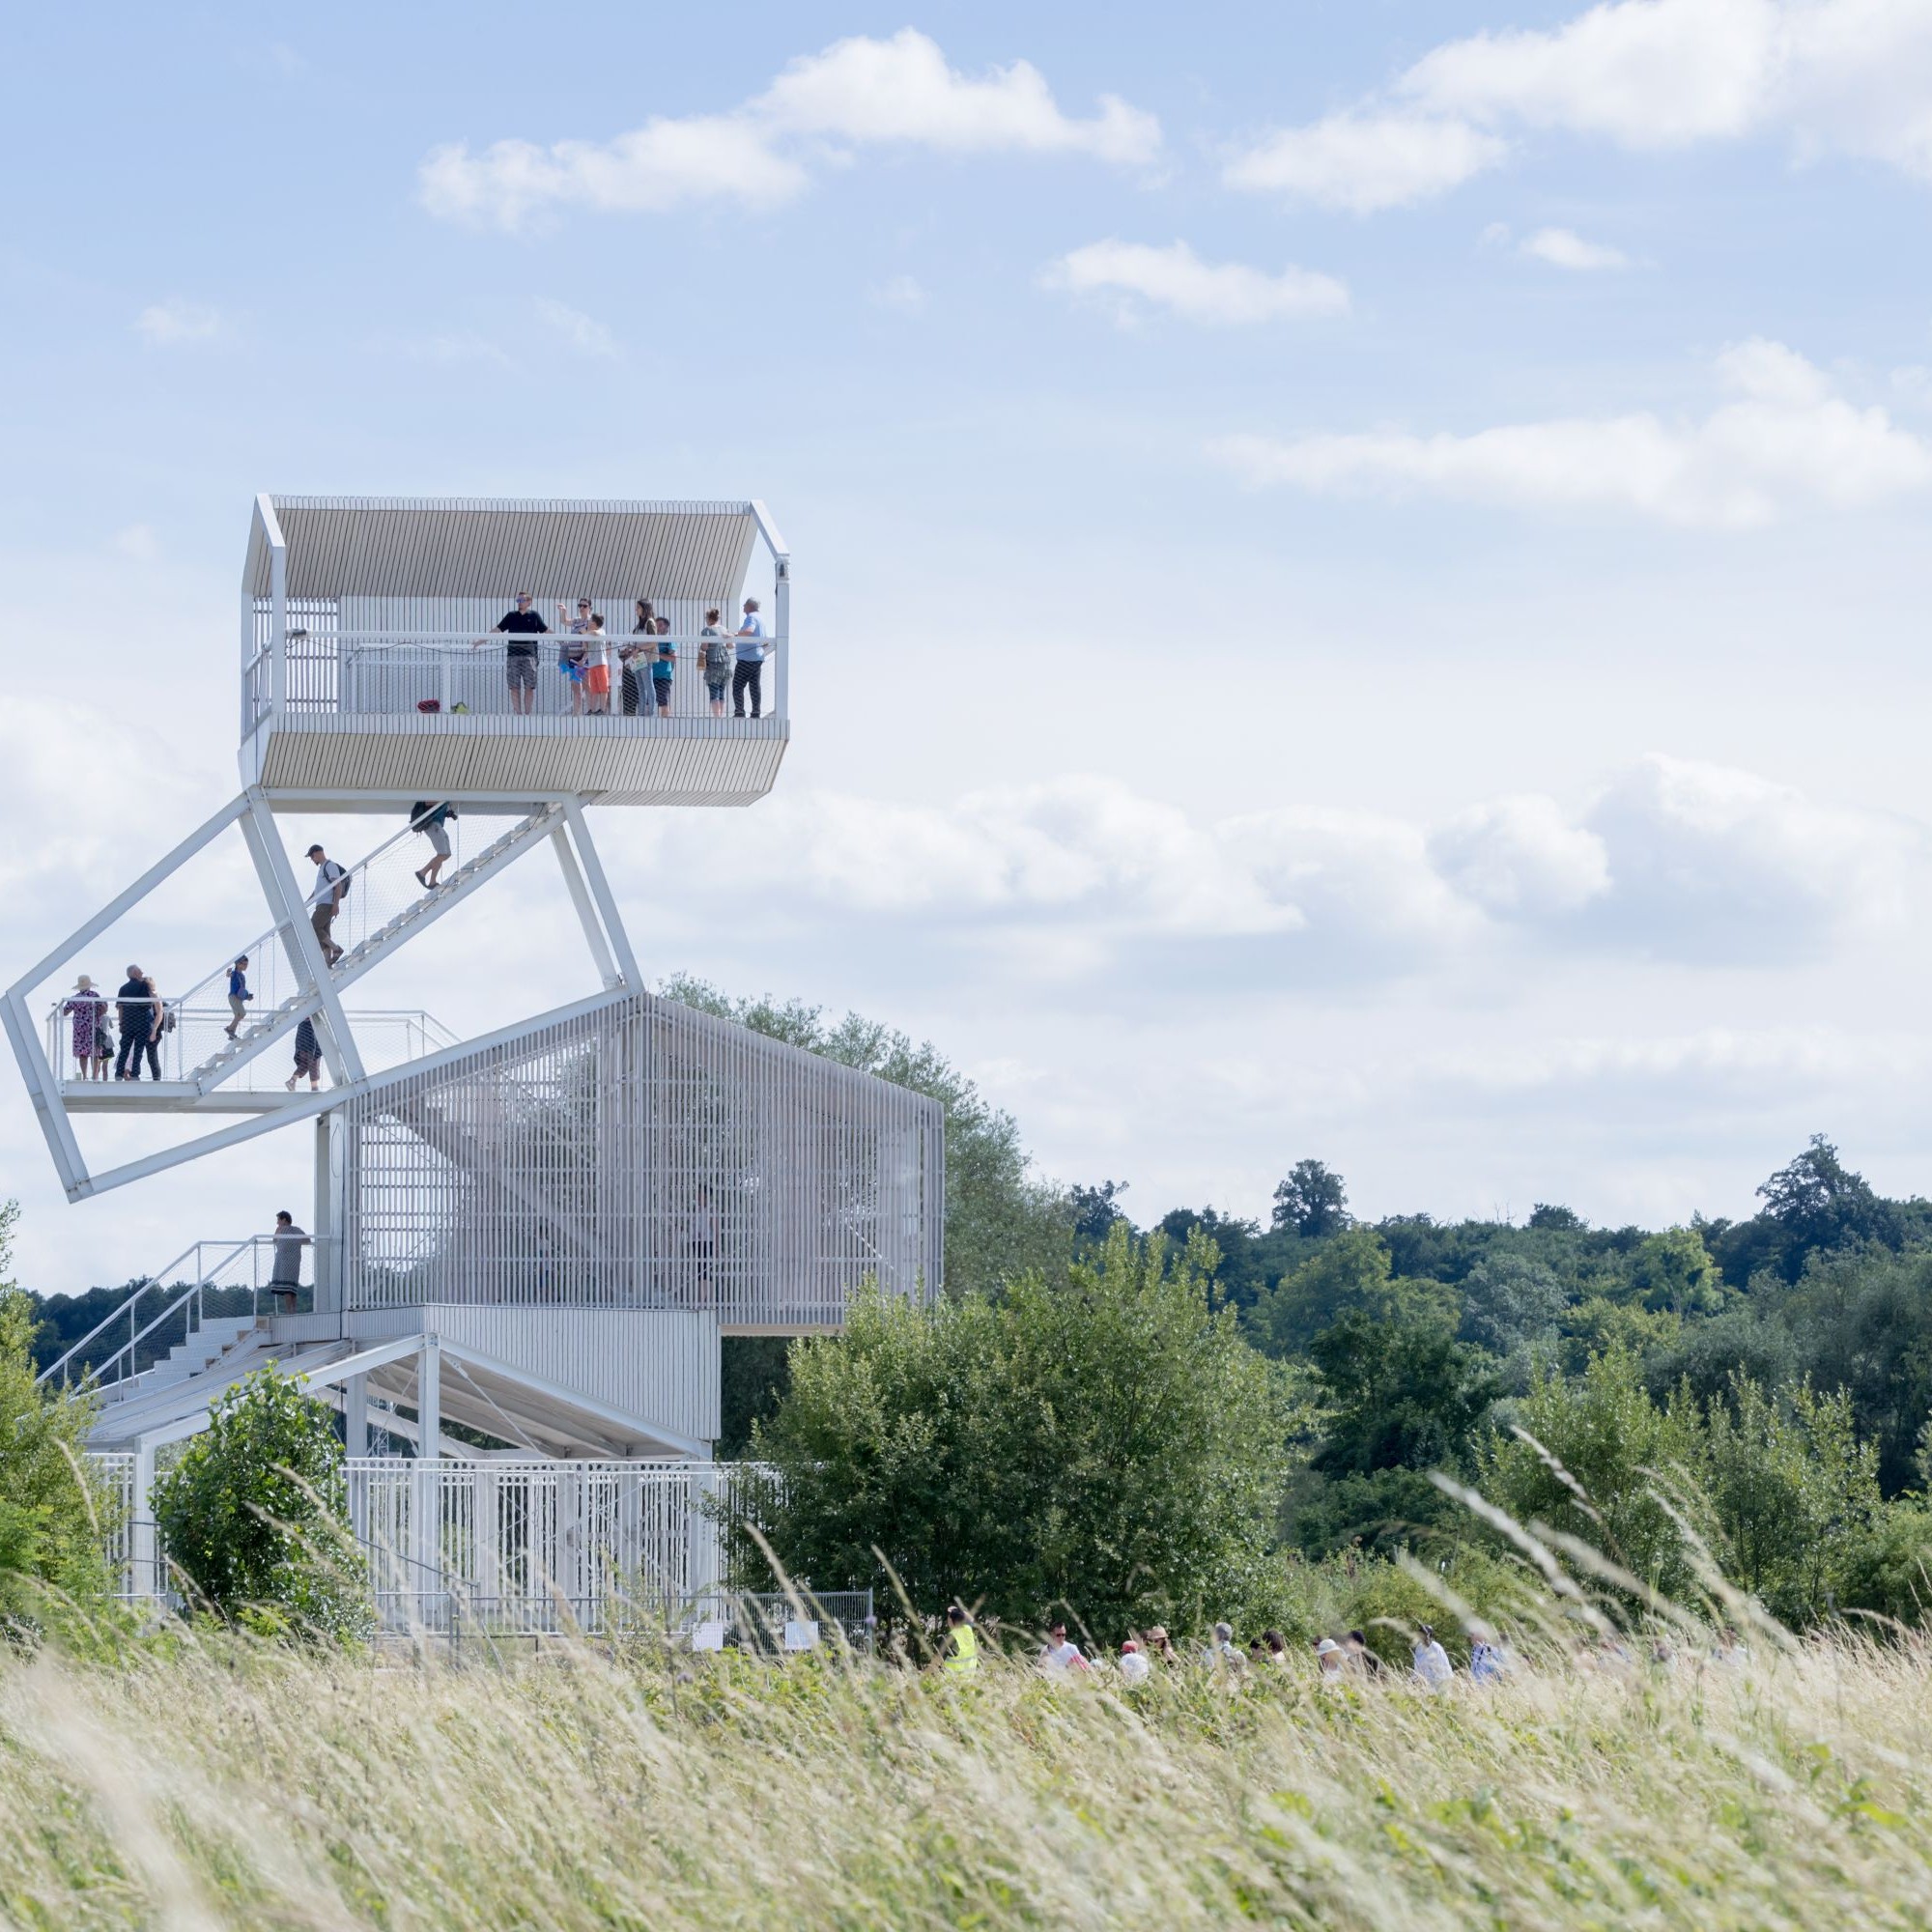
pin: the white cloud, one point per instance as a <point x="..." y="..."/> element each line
<point x="858" y="92"/>
<point x="455" y="351"/>
<point x="1708" y="859"/>
<point x="1176" y="278"/>
<point x="862" y="89"/>
<point x="1650" y="73"/>
<point x="901" y="292"/>
<point x="584" y="334"/>
<point x="1786" y="442"/>
<point x="140" y="542"/>
<point x="1368" y="160"/>
<point x="176" y="321"/>
<point x="1521" y="856"/>
<point x="1686" y="861"/>
<point x="1564" y="248"/>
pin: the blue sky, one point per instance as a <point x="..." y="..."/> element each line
<point x="1360" y="574"/>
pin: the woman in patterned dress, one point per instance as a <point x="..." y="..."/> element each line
<point x="85" y="1008"/>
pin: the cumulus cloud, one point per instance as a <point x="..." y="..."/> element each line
<point x="1367" y="159"/>
<point x="903" y="292"/>
<point x="1175" y="277"/>
<point x="857" y="93"/>
<point x="1785" y="442"/>
<point x="584" y="334"/>
<point x="1686" y="861"/>
<point x="1564" y="248"/>
<point x="175" y="321"/>
<point x="1852" y="76"/>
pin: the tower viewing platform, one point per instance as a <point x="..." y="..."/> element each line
<point x="385" y="655"/>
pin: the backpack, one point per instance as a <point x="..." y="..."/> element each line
<point x="719" y="651"/>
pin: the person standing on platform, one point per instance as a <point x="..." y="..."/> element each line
<point x="596" y="666"/>
<point x="331" y="887"/>
<point x="137" y="1010"/>
<point x="631" y="684"/>
<point x="716" y="655"/>
<point x="749" y="674"/>
<point x="522" y="626"/>
<point x="87" y="1009"/>
<point x="664" y="668"/>
<point x="285" y="1277"/>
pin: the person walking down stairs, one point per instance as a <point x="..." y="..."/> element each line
<point x="238" y="994"/>
<point x="432" y="820"/>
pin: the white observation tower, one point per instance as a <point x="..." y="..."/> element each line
<point x="538" y="1236"/>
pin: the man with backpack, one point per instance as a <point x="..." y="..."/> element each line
<point x="331" y="887"/>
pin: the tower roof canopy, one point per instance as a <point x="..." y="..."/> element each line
<point x="395" y="546"/>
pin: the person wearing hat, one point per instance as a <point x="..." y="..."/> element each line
<point x="87" y="1008"/>
<point x="1159" y="1645"/>
<point x="959" y="1655"/>
<point x="1134" y="1666"/>
<point x="1329" y="1655"/>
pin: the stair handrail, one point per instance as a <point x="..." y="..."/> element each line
<point x="272" y="936"/>
<point x="157" y="1281"/>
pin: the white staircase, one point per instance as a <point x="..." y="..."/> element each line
<point x="245" y="1037"/>
<point x="419" y="909"/>
<point x="207" y="1344"/>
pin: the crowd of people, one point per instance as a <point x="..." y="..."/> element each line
<point x="637" y="671"/>
<point x="1337" y="1661"/>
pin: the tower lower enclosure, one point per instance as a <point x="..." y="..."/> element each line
<point x="527" y="1249"/>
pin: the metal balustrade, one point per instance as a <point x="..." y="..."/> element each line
<point x="193" y="1044"/>
<point x="396" y="674"/>
<point x="187" y="1312"/>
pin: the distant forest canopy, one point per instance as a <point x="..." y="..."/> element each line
<point x="1781" y="1363"/>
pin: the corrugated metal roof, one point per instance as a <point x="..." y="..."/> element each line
<point x="479" y="547"/>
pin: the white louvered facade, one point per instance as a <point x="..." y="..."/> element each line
<point x="643" y="1156"/>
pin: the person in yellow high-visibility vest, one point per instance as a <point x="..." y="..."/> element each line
<point x="959" y="1654"/>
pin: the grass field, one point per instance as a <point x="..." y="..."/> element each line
<point x="231" y="1784"/>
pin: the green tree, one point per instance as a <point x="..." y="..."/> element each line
<point x="1100" y="1439"/>
<point x="1792" y="1488"/>
<point x="1350" y="1272"/>
<point x="53" y="1514"/>
<point x="254" y="1513"/>
<point x="1619" y="1448"/>
<point x="1510" y="1301"/>
<point x="1403" y="1392"/>
<point x="1674" y="1270"/>
<point x="1313" y="1201"/>
<point x="1001" y="1219"/>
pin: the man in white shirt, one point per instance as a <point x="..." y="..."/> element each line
<point x="331" y="887"/>
<point x="1134" y="1666"/>
<point x="748" y="676"/>
<point x="1432" y="1668"/>
<point x="1061" y="1657"/>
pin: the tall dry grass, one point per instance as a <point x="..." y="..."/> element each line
<point x="215" y="1782"/>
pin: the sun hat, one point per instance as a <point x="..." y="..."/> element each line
<point x="1327" y="1647"/>
<point x="1130" y="1644"/>
<point x="83" y="984"/>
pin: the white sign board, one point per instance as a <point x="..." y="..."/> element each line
<point x="800" y="1635"/>
<point x="707" y="1636"/>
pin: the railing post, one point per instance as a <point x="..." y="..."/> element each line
<point x="141" y="1551"/>
<point x="782" y="629"/>
<point x="426" y="1506"/>
<point x="278" y="624"/>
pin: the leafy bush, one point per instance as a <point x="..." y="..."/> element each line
<point x="54" y="1516"/>
<point x="1101" y="1440"/>
<point x="254" y="1513"/>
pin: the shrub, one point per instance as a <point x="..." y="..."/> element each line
<point x="54" y="1516"/>
<point x="254" y="1513"/>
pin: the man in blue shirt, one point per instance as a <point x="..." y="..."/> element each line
<point x="238" y="994"/>
<point x="751" y="652"/>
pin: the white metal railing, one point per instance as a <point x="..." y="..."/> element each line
<point x="535" y="1546"/>
<point x="192" y="1040"/>
<point x="519" y="1546"/>
<point x="212" y="1281"/>
<point x="393" y="673"/>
